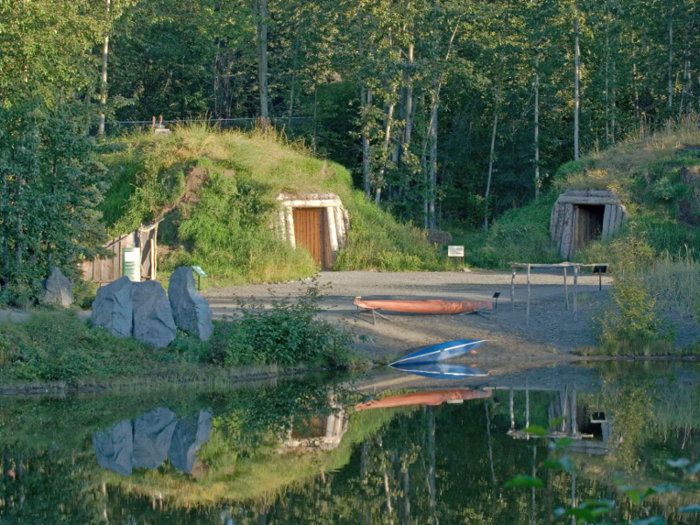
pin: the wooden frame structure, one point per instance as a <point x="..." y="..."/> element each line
<point x="564" y="266"/>
<point x="572" y="223"/>
<point x="336" y="222"/>
<point x="108" y="269"/>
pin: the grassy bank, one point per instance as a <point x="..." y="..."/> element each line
<point x="658" y="180"/>
<point x="58" y="347"/>
<point x="216" y="192"/>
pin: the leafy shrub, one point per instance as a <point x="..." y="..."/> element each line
<point x="288" y="333"/>
<point x="632" y="325"/>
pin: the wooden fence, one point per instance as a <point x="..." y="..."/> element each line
<point x="108" y="269"/>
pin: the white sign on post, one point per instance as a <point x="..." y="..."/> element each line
<point x="455" y="251"/>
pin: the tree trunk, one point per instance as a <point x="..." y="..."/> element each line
<point x="366" y="100"/>
<point x="432" y="492"/>
<point x="670" y="68"/>
<point x="577" y="76"/>
<point x="20" y="233"/>
<point x="217" y="81"/>
<point x="409" y="101"/>
<point x="607" y="75"/>
<point x="433" y="152"/>
<point x="262" y="60"/>
<point x="313" y="138"/>
<point x="488" y="181"/>
<point x="385" y="150"/>
<point x="6" y="230"/>
<point x="103" y="81"/>
<point x="294" y="77"/>
<point x="537" y="127"/>
<point x="686" y="82"/>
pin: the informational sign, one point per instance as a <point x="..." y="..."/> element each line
<point x="455" y="251"/>
<point x="198" y="270"/>
<point x="131" y="256"/>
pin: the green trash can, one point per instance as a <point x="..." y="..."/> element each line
<point x="131" y="264"/>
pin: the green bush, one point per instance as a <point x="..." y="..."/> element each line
<point x="288" y="333"/>
<point x="631" y="325"/>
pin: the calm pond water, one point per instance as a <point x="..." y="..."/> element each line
<point x="298" y="451"/>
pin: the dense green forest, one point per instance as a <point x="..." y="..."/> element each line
<point x="445" y="112"/>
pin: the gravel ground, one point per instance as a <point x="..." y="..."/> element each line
<point x="552" y="332"/>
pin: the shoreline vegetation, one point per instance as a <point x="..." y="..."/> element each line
<point x="195" y="177"/>
<point x="57" y="348"/>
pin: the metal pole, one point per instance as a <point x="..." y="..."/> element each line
<point x="576" y="269"/>
<point x="512" y="289"/>
<point x="512" y="413"/>
<point x="566" y="290"/>
<point x="528" y="294"/>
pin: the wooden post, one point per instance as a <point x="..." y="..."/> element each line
<point x="512" y="413"/>
<point x="512" y="288"/>
<point x="566" y="290"/>
<point x="153" y="258"/>
<point x="528" y="294"/>
<point x="576" y="269"/>
<point x="527" y="406"/>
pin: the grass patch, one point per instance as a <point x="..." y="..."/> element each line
<point x="216" y="192"/>
<point x="675" y="282"/>
<point x="58" y="347"/>
<point x="520" y="235"/>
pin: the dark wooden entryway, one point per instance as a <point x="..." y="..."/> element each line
<point x="589" y="224"/>
<point x="310" y="231"/>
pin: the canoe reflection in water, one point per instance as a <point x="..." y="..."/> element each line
<point x="441" y="370"/>
<point x="145" y="442"/>
<point x="428" y="397"/>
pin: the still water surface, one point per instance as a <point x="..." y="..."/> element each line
<point x="298" y="451"/>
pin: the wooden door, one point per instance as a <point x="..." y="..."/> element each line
<point x="308" y="227"/>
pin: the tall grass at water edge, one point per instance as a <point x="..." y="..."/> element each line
<point x="675" y="282"/>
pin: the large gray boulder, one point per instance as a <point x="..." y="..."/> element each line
<point x="190" y="310"/>
<point x="113" y="308"/>
<point x="153" y="319"/>
<point x="114" y="447"/>
<point x="58" y="289"/>
<point x="153" y="432"/>
<point x="190" y="434"/>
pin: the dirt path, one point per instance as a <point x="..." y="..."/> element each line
<point x="552" y="331"/>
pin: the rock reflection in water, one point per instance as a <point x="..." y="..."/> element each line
<point x="149" y="439"/>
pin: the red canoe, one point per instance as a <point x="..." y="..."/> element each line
<point x="430" y="397"/>
<point x="424" y="307"/>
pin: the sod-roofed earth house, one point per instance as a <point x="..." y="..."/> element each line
<point x="582" y="216"/>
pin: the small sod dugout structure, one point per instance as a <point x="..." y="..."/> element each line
<point x="315" y="221"/>
<point x="581" y="216"/>
<point x="108" y="269"/>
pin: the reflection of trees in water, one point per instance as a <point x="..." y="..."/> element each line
<point x="441" y="465"/>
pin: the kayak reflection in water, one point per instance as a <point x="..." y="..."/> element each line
<point x="428" y="397"/>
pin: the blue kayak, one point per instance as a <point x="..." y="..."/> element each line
<point x="441" y="352"/>
<point x="441" y="370"/>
